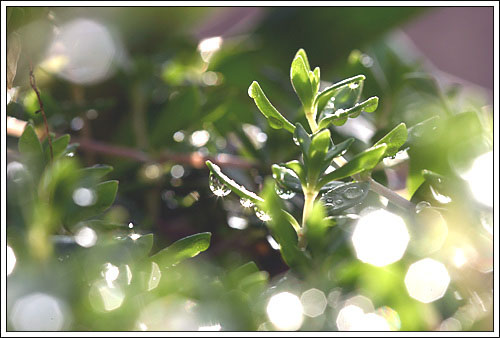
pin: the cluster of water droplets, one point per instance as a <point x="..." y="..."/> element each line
<point x="284" y="193"/>
<point x="246" y="203"/>
<point x="218" y="188"/>
<point x="421" y="206"/>
<point x="262" y="215"/>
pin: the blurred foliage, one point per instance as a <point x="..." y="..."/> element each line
<point x="177" y="99"/>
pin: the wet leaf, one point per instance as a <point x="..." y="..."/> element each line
<point x="239" y="190"/>
<point x="274" y="118"/>
<point x="394" y="139"/>
<point x="325" y="96"/>
<point x="344" y="196"/>
<point x="182" y="249"/>
<point x="362" y="162"/>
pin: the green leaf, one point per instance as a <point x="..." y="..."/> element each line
<point x="182" y="249"/>
<point x="316" y="80"/>
<point x="317" y="153"/>
<point x="281" y="229"/>
<point x="106" y="194"/>
<point x="337" y="150"/>
<point x="317" y="225"/>
<point x="58" y="147"/>
<point x="302" y="138"/>
<point x="301" y="82"/>
<point x="298" y="169"/>
<point x="97" y="171"/>
<point x="286" y="178"/>
<point x="31" y="150"/>
<point x="239" y="190"/>
<point x="124" y="250"/>
<point x="302" y="53"/>
<point x="339" y="117"/>
<point x="394" y="139"/>
<point x="421" y="130"/>
<point x="362" y="162"/>
<point x="325" y="96"/>
<point x="344" y="196"/>
<point x="274" y="118"/>
<point x="245" y="276"/>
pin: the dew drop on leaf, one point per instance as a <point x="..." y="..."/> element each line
<point x="219" y="189"/>
<point x="262" y="215"/>
<point x="284" y="193"/>
<point x="421" y="206"/>
<point x="275" y="123"/>
<point x="246" y="203"/>
<point x="353" y="192"/>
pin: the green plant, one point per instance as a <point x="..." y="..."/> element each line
<point x="318" y="176"/>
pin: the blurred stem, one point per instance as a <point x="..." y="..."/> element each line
<point x="391" y="195"/>
<point x="309" y="198"/>
<point x="42" y="110"/>
<point x="86" y="132"/>
<point x="139" y="115"/>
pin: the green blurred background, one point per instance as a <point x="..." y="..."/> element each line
<point x="155" y="91"/>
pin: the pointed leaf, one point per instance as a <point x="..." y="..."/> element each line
<point x="316" y="228"/>
<point x="344" y="196"/>
<point x="286" y="178"/>
<point x="97" y="171"/>
<point x="394" y="139"/>
<point x="301" y="82"/>
<point x="274" y="118"/>
<point x="362" y="162"/>
<point x="298" y="168"/>
<point x="282" y="230"/>
<point x="302" y="53"/>
<point x="339" y="116"/>
<point x="325" y="96"/>
<point x="182" y="249"/>
<point x="58" y="147"/>
<point x="317" y="153"/>
<point x="338" y="149"/>
<point x="239" y="190"/>
<point x="301" y="137"/>
<point x="29" y="145"/>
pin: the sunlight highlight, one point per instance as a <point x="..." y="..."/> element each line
<point x="11" y="260"/>
<point x="380" y="238"/>
<point x="427" y="280"/>
<point x="285" y="311"/>
<point x="39" y="312"/>
<point x="86" y="237"/>
<point x="480" y="179"/>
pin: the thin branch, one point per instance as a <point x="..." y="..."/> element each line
<point x="391" y="195"/>
<point x="194" y="159"/>
<point x="42" y="110"/>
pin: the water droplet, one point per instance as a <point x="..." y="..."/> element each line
<point x="354" y="85"/>
<point x="219" y="189"/>
<point x="353" y="192"/>
<point x="246" y="203"/>
<point x="339" y="202"/>
<point x="296" y="141"/>
<point x="275" y="123"/>
<point x="329" y="200"/>
<point x="421" y="206"/>
<point x="284" y="193"/>
<point x="262" y="215"/>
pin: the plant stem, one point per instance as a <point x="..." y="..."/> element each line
<point x="42" y="110"/>
<point x="312" y="122"/>
<point x="391" y="195"/>
<point x="309" y="198"/>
